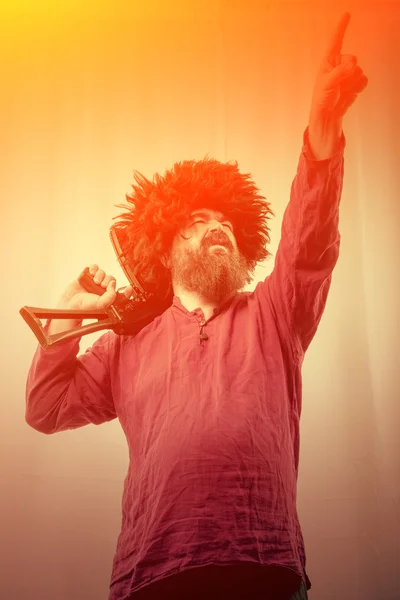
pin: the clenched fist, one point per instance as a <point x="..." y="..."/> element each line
<point x="76" y="297"/>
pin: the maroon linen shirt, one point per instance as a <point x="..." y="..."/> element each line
<point x="211" y="421"/>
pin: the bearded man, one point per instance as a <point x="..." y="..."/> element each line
<point x="209" y="393"/>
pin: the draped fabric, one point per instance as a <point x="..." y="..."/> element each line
<point x="92" y="91"/>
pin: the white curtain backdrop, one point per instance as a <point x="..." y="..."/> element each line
<point x="92" y="91"/>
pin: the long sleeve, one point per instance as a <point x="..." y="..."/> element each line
<point x="309" y="246"/>
<point x="67" y="391"/>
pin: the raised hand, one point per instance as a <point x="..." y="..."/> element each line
<point x="340" y="78"/>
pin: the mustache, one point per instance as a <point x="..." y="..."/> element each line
<point x="221" y="240"/>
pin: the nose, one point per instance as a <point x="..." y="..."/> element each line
<point x="215" y="226"/>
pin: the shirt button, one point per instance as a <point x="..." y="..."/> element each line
<point x="202" y="322"/>
<point x="204" y="336"/>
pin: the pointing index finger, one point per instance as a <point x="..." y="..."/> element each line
<point x="335" y="46"/>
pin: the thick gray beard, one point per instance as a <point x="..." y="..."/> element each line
<point x="213" y="276"/>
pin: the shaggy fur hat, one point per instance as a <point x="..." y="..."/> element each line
<point x="158" y="209"/>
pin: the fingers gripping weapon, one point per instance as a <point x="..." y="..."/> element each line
<point x="124" y="317"/>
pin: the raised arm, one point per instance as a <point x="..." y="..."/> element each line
<point x="310" y="239"/>
<point x="67" y="391"/>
